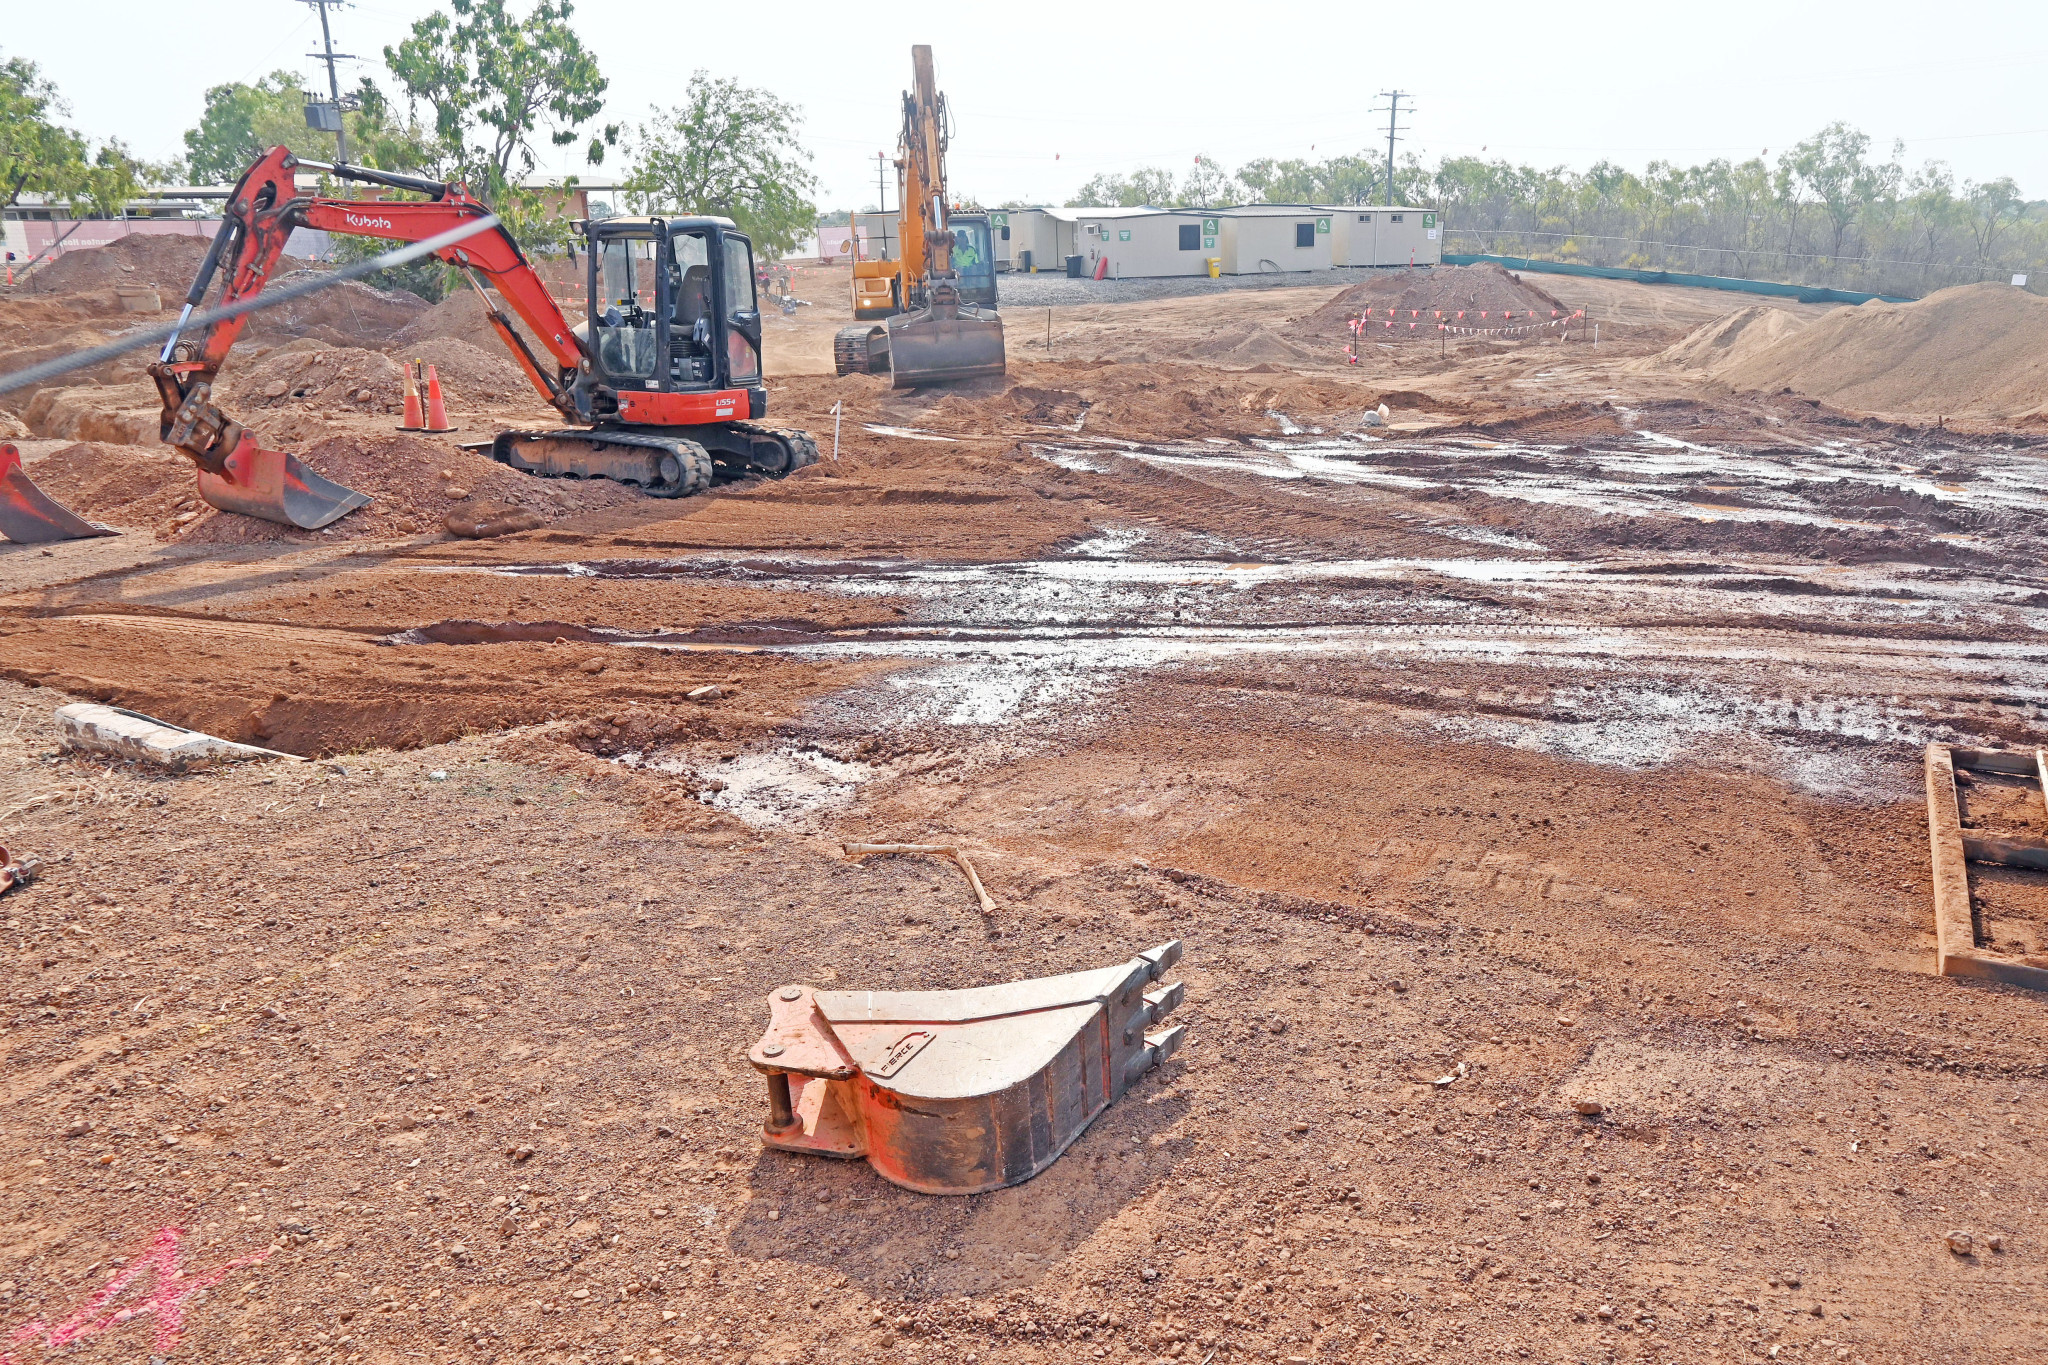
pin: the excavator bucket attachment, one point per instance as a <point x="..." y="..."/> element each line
<point x="940" y="345"/>
<point x="28" y="515"/>
<point x="259" y="482"/>
<point x="957" y="1092"/>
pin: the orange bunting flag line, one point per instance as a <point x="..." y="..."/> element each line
<point x="1461" y="315"/>
<point x="1482" y="312"/>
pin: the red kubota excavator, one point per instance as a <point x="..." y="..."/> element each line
<point x="660" y="380"/>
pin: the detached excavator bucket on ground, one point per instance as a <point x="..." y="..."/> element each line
<point x="259" y="482"/>
<point x="28" y="515"/>
<point x="957" y="1092"/>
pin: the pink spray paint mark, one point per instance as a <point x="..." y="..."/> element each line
<point x="169" y="1288"/>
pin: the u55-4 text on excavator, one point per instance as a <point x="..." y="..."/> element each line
<point x="662" y="381"/>
<point x="936" y="325"/>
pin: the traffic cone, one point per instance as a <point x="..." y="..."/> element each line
<point x="412" y="421"/>
<point x="437" y="414"/>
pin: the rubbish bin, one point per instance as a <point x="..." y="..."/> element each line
<point x="1073" y="267"/>
<point x="1215" y="264"/>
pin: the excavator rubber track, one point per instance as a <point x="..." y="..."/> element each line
<point x="796" y="451"/>
<point x="660" y="466"/>
<point x="854" y="349"/>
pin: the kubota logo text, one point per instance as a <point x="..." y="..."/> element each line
<point x="365" y="221"/>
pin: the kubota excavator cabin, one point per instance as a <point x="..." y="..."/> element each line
<point x="662" y="380"/>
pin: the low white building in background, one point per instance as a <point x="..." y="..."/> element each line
<point x="1248" y="239"/>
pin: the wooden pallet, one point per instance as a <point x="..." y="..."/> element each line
<point x="1955" y="935"/>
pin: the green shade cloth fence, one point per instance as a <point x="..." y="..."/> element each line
<point x="1801" y="292"/>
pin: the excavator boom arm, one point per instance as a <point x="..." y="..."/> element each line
<point x="266" y="206"/>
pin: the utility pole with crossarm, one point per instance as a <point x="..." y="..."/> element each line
<point x="1393" y="112"/>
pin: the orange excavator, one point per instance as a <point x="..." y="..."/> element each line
<point x="661" y="382"/>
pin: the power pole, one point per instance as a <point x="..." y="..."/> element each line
<point x="330" y="56"/>
<point x="1393" y="113"/>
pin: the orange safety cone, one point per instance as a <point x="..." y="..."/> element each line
<point x="437" y="414"/>
<point x="413" y="419"/>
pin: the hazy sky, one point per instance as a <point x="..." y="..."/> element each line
<point x="1045" y="96"/>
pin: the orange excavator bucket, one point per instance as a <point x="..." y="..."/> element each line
<point x="958" y="1092"/>
<point x="259" y="482"/>
<point x="28" y="515"/>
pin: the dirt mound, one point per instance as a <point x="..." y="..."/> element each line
<point x="129" y="487"/>
<point x="1978" y="350"/>
<point x="167" y="262"/>
<point x="1447" y="289"/>
<point x="470" y="377"/>
<point x="347" y="314"/>
<point x="1727" y="340"/>
<point x="414" y="482"/>
<point x="123" y="414"/>
<point x="1264" y="344"/>
<point x="460" y="317"/>
<point x="322" y="376"/>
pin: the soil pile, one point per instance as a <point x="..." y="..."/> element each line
<point x="306" y="372"/>
<point x="1443" y="289"/>
<point x="460" y="316"/>
<point x="125" y="486"/>
<point x="415" y="483"/>
<point x="125" y="414"/>
<point x="1729" y="340"/>
<point x="1978" y="350"/>
<point x="170" y="263"/>
<point x="470" y="377"/>
<point x="347" y="314"/>
<point x="1263" y="344"/>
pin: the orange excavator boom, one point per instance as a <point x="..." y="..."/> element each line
<point x="236" y="471"/>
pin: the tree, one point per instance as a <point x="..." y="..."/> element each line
<point x="36" y="154"/>
<point x="730" y="151"/>
<point x="1992" y="207"/>
<point x="1208" y="184"/>
<point x="242" y="122"/>
<point x="1340" y="180"/>
<point x="1829" y="169"/>
<point x="1148" y="185"/>
<point x="492" y="81"/>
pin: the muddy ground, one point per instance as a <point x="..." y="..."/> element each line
<point x="1552" y="747"/>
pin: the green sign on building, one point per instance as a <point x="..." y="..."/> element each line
<point x="1322" y="225"/>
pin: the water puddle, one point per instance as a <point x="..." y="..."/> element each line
<point x="912" y="434"/>
<point x="775" y="786"/>
<point x="1843" y="486"/>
